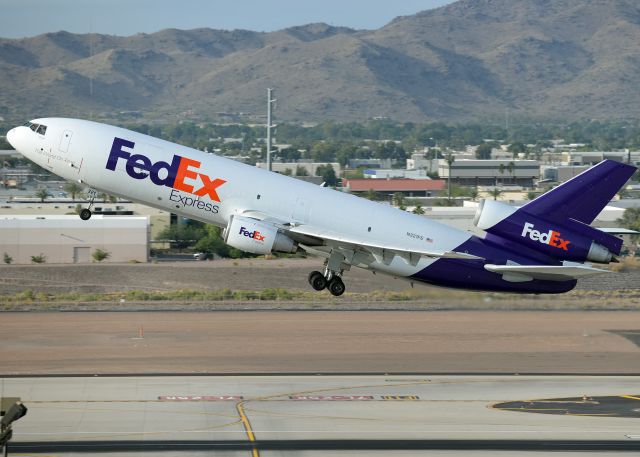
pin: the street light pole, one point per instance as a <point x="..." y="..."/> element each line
<point x="270" y="102"/>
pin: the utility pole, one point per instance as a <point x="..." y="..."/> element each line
<point x="270" y="105"/>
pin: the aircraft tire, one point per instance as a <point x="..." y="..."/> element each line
<point x="317" y="280"/>
<point x="85" y="214"/>
<point x="336" y="286"/>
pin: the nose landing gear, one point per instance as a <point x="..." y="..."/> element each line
<point x="85" y="213"/>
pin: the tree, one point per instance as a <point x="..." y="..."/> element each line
<point x="449" y="159"/>
<point x="398" y="200"/>
<point x="516" y="148"/>
<point x="42" y="194"/>
<point x="473" y="193"/>
<point x="531" y="195"/>
<point x="213" y="243"/>
<point x="372" y="195"/>
<point x="418" y="209"/>
<point x="7" y="258"/>
<point x="182" y="235"/>
<point x="323" y="152"/>
<point x="73" y="188"/>
<point x="511" y="167"/>
<point x="495" y="193"/>
<point x="483" y="151"/>
<point x="501" y="169"/>
<point x="631" y="219"/>
<point x="328" y="174"/>
<point x="301" y="171"/>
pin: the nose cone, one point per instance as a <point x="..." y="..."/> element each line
<point x="11" y="137"/>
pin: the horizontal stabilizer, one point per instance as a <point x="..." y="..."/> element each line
<point x="618" y="231"/>
<point x="521" y="273"/>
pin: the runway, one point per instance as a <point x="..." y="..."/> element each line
<point x="327" y="415"/>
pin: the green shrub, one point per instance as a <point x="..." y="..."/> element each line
<point x="39" y="258"/>
<point x="99" y="255"/>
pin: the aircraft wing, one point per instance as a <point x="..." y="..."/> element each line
<point x="544" y="272"/>
<point x="381" y="252"/>
<point x="378" y="250"/>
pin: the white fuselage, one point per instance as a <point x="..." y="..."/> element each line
<point x="211" y="188"/>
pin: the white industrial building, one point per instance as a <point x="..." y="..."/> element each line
<point x="524" y="173"/>
<point x="68" y="239"/>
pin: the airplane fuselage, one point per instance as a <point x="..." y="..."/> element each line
<point x="212" y="189"/>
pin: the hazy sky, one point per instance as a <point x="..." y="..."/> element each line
<point x="20" y="18"/>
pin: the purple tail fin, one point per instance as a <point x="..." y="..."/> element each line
<point x="584" y="196"/>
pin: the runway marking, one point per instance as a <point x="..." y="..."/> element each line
<point x="247" y="427"/>
<point x="630" y="396"/>
<point x="399" y="397"/>
<point x="331" y="397"/>
<point x="200" y="397"/>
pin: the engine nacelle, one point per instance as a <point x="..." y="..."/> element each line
<point x="566" y="240"/>
<point x="257" y="237"/>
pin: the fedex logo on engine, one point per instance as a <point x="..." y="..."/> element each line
<point x="181" y="174"/>
<point x="552" y="238"/>
<point x="256" y="235"/>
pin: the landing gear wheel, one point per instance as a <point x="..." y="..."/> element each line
<point x="336" y="286"/>
<point x="317" y="280"/>
<point x="85" y="214"/>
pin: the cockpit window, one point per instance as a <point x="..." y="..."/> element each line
<point x="40" y="129"/>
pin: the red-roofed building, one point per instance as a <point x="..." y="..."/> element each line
<point x="408" y="187"/>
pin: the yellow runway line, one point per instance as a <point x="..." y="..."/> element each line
<point x="247" y="427"/>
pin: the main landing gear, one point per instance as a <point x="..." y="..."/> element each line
<point x="85" y="213"/>
<point x="320" y="282"/>
<point x="331" y="278"/>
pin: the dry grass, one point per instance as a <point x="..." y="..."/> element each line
<point x="626" y="264"/>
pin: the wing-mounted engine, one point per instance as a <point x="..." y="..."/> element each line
<point x="568" y="239"/>
<point x="257" y="237"/>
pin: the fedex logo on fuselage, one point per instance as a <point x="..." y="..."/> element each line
<point x="256" y="235"/>
<point x="552" y="238"/>
<point x="181" y="174"/>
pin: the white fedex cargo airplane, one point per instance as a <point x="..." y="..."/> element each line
<point x="538" y="248"/>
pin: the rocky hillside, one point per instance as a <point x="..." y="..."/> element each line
<point x="470" y="60"/>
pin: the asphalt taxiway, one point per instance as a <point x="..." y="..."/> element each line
<point x="244" y="415"/>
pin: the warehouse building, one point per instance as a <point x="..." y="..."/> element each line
<point x="68" y="239"/>
<point x="524" y="173"/>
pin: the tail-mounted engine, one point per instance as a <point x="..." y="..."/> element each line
<point x="566" y="240"/>
<point x="257" y="237"/>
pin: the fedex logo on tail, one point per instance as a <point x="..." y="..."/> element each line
<point x="181" y="174"/>
<point x="552" y="238"/>
<point x="256" y="235"/>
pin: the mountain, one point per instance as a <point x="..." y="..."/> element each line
<point x="470" y="60"/>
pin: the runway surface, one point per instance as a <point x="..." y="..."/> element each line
<point x="315" y="415"/>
